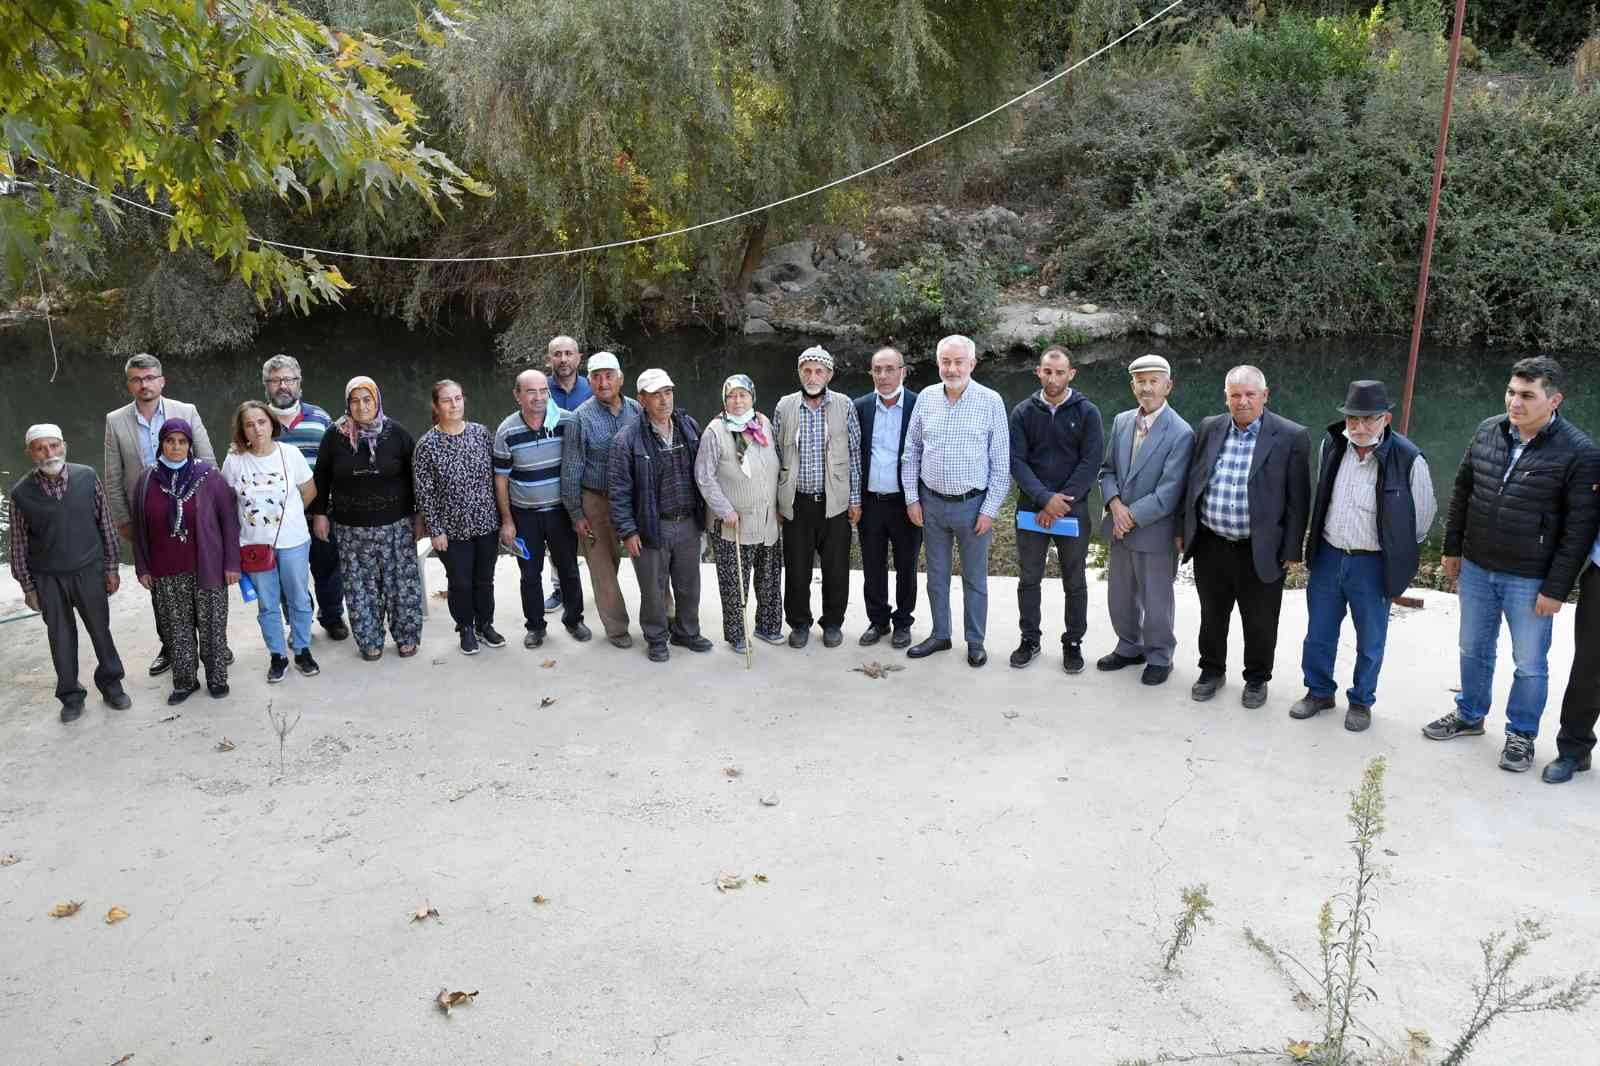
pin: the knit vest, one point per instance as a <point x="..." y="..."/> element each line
<point x="835" y="453"/>
<point x="62" y="536"/>
<point x="753" y="497"/>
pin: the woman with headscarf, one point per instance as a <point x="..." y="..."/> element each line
<point x="273" y="484"/>
<point x="455" y="495"/>
<point x="185" y="526"/>
<point x="736" y="470"/>
<point x="364" y="482"/>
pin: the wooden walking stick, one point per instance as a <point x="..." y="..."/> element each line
<point x="744" y="616"/>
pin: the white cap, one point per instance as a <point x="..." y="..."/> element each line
<point x="603" y="361"/>
<point x="43" y="429"/>
<point x="1150" y="362"/>
<point x="654" y="380"/>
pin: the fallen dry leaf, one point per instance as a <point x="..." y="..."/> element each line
<point x="729" y="882"/>
<point x="1009" y="714"/>
<point x="426" y="910"/>
<point x="115" y="915"/>
<point x="447" y="999"/>
<point x="541" y="900"/>
<point x="761" y="878"/>
<point x="1299" y="1050"/>
<point x="9" y="859"/>
<point x="129" y="1056"/>
<point x="67" y="909"/>
<point x="547" y="664"/>
<point x="169" y="718"/>
<point x="547" y="701"/>
<point x="224" y="744"/>
<point x="731" y="771"/>
<point x="769" y="801"/>
<point x="876" y="669"/>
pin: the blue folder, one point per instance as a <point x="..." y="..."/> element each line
<point x="1062" y="527"/>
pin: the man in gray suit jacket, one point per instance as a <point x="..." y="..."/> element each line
<point x="133" y="440"/>
<point x="1245" y="509"/>
<point x="1142" y="481"/>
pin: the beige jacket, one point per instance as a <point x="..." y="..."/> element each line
<point x="124" y="462"/>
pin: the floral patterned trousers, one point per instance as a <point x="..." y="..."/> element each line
<point x="196" y="624"/>
<point x="378" y="568"/>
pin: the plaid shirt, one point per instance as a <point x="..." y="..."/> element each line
<point x="1225" y="507"/>
<point x="813" y="434"/>
<point x="955" y="449"/>
<point x="111" y="550"/>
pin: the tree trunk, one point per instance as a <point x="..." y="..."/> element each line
<point x="755" y="246"/>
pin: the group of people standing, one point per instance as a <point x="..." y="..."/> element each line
<point x="306" y="501"/>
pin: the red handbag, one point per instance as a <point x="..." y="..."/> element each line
<point x="258" y="558"/>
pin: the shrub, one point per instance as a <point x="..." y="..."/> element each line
<point x="935" y="294"/>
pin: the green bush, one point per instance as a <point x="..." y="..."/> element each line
<point x="937" y="293"/>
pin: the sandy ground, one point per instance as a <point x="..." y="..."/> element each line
<point x="962" y="866"/>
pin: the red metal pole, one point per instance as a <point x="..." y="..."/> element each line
<point x="1433" y="215"/>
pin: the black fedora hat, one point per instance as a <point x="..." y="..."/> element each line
<point x="1366" y="398"/>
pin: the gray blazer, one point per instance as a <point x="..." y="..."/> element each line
<point x="124" y="463"/>
<point x="1151" y="488"/>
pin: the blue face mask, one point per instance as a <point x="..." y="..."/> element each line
<point x="169" y="464"/>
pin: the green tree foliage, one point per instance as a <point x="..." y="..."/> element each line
<point x="195" y="107"/>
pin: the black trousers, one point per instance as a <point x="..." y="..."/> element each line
<point x="552" y="529"/>
<point x="60" y="595"/>
<point x="1580" y="707"/>
<point x="1071" y="553"/>
<point x="325" y="577"/>
<point x="884" y="525"/>
<point x="1224" y="575"/>
<point x="810" y="532"/>
<point x="469" y="569"/>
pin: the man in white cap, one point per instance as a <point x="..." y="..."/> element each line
<point x="585" y="450"/>
<point x="1142" y="479"/>
<point x="819" y="495"/>
<point x="657" y="510"/>
<point x="64" y="555"/>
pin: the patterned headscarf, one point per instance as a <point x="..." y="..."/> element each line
<point x="182" y="483"/>
<point x="746" y="427"/>
<point x="354" y="431"/>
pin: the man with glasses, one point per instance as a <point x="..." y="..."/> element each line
<point x="303" y="426"/>
<point x="885" y="415"/>
<point x="133" y="440"/>
<point x="1373" y="507"/>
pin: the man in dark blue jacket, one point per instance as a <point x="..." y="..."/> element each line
<point x="1057" y="442"/>
<point x="885" y="415"/>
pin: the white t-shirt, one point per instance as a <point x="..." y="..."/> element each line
<point x="263" y="496"/>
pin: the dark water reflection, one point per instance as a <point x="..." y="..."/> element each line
<point x="1456" y="388"/>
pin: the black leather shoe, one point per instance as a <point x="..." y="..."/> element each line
<point x="178" y="695"/>
<point x="873" y="635"/>
<point x="1204" y="688"/>
<point x="580" y="632"/>
<point x="799" y="637"/>
<point x="1558" y="772"/>
<point x="216" y="692"/>
<point x="1117" y="662"/>
<point x="1254" y="694"/>
<point x="1155" y="675"/>
<point x="533" y="638"/>
<point x="695" y="643"/>
<point x="976" y="656"/>
<point x="72" y="710"/>
<point x="117" y="699"/>
<point x="161" y="663"/>
<point x="1072" y="658"/>
<point x="336" y="630"/>
<point x="1025" y="654"/>
<point x="832" y="636"/>
<point x="658" y="653"/>
<point x="901" y="638"/>
<point x="927" y="647"/>
<point x="1309" y="706"/>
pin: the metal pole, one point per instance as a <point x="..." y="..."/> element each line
<point x="1433" y="214"/>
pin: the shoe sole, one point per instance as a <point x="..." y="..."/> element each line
<point x="1308" y="714"/>
<point x="1524" y="768"/>
<point x="313" y="672"/>
<point x="1024" y="665"/>
<point x="470" y="651"/>
<point x="1359" y="726"/>
<point x="1204" y="697"/>
<point x="277" y="680"/>
<point x="1154" y="681"/>
<point x="1452" y="736"/>
<point x="1066" y="669"/>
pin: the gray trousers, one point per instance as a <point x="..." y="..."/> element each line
<point x="945" y="526"/>
<point x="84" y="592"/>
<point x="1140" y="599"/>
<point x="677" y="560"/>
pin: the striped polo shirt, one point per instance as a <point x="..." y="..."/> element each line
<point x="531" y="461"/>
<point x="306" y="431"/>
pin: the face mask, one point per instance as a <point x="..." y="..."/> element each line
<point x="169" y="464"/>
<point x="738" y="421"/>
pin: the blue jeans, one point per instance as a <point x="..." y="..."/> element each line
<point x="1485" y="596"/>
<point x="944" y="526"/>
<point x="1341" y="582"/>
<point x="290" y="583"/>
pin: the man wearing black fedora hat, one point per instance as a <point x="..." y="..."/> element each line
<point x="1373" y="507"/>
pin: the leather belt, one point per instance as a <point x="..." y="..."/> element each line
<point x="965" y="496"/>
<point x="677" y="516"/>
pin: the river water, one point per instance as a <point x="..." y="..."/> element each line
<point x="1455" y="388"/>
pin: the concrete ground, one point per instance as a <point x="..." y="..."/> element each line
<point x="962" y="866"/>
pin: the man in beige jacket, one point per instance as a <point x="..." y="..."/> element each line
<point x="133" y="440"/>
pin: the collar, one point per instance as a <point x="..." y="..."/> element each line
<point x="161" y="410"/>
<point x="1065" y="399"/>
<point x="1515" y="437"/>
<point x="899" y="398"/>
<point x="1138" y="412"/>
<point x="42" y="476"/>
<point x="1252" y="430"/>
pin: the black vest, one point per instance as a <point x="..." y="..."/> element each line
<point x="62" y="536"/>
<point x="1396" y="510"/>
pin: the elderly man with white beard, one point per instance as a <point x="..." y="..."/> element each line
<point x="64" y="555"/>
<point x="1373" y="506"/>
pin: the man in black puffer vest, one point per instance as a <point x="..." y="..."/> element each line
<point x="1373" y="507"/>
<point x="1522" y="519"/>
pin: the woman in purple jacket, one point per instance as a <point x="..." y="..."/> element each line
<point x="186" y="552"/>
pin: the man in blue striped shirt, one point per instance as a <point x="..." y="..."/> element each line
<point x="303" y="426"/>
<point x="527" y="486"/>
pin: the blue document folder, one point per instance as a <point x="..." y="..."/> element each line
<point x="1061" y="527"/>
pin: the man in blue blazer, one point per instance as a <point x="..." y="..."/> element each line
<point x="1142" y="479"/>
<point x="1245" y="510"/>
<point x="884" y="414"/>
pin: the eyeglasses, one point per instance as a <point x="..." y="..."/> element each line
<point x="144" y="379"/>
<point x="283" y="381"/>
